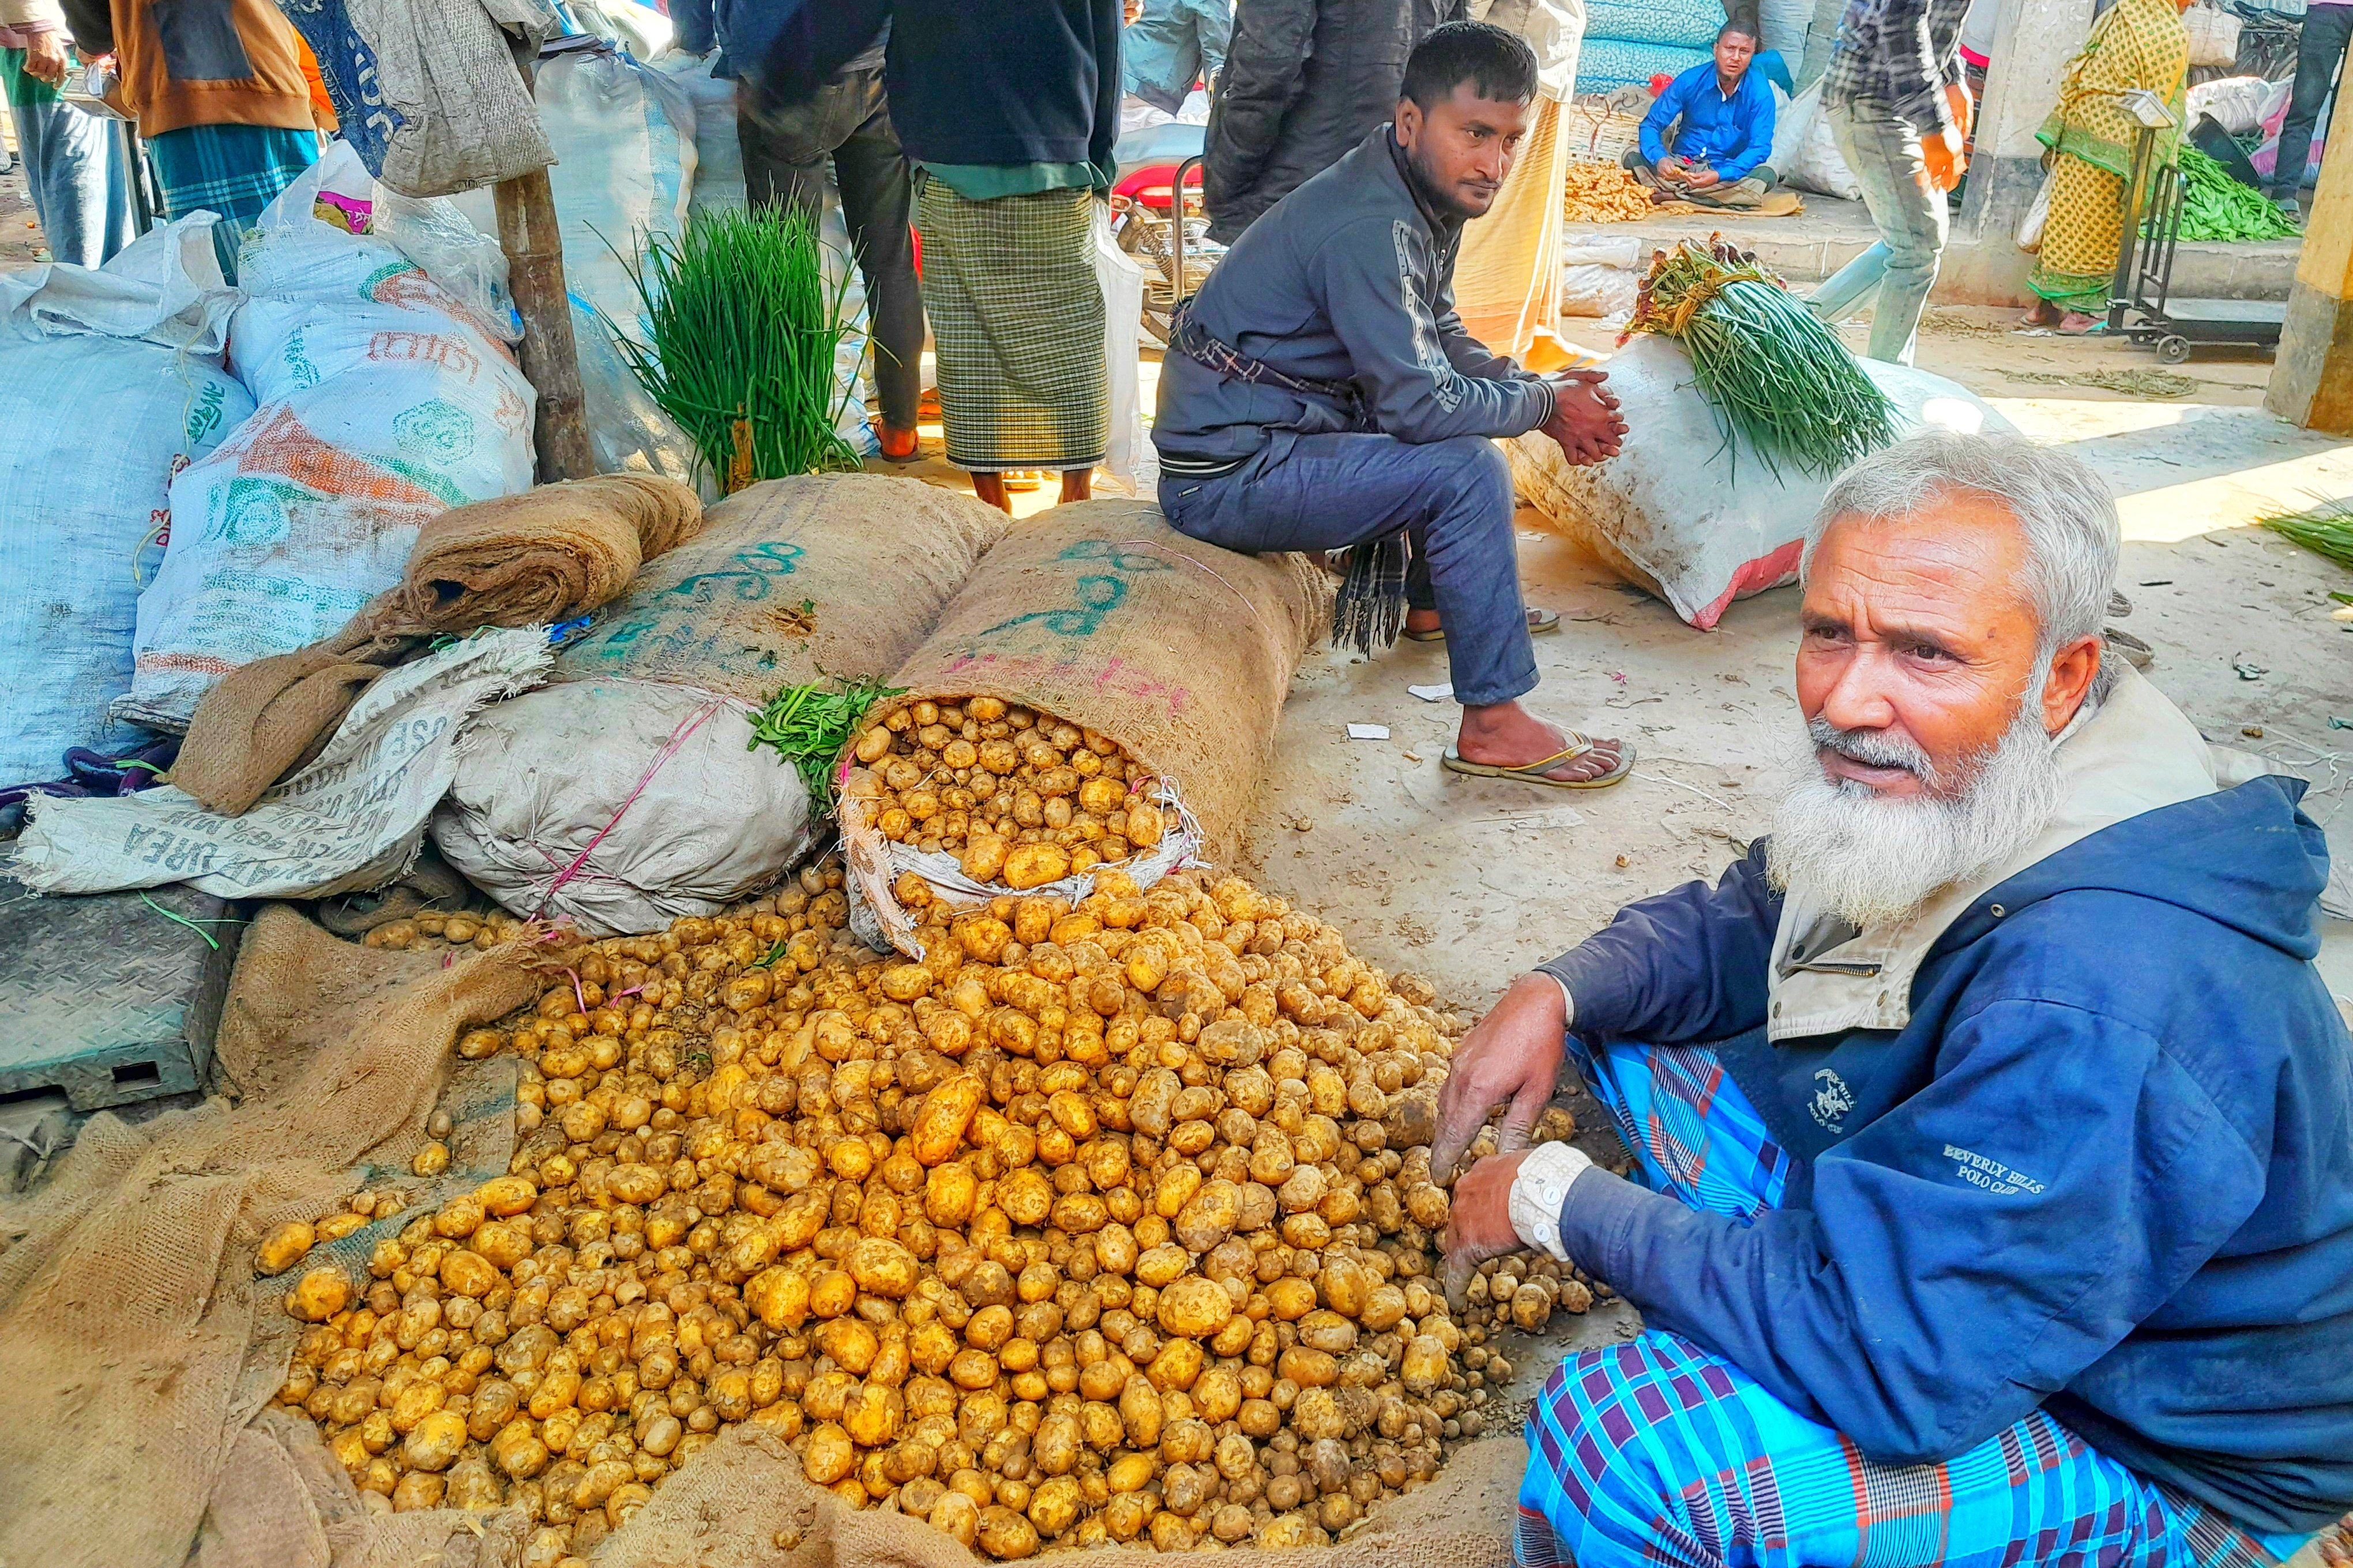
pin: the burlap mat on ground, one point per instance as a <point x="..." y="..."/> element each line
<point x="544" y="555"/>
<point x="135" y="1345"/>
<point x="791" y="581"/>
<point x="548" y="554"/>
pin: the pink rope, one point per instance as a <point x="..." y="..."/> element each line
<point x="685" y="728"/>
<point x="577" y="994"/>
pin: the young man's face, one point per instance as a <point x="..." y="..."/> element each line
<point x="1460" y="148"/>
<point x="1733" y="53"/>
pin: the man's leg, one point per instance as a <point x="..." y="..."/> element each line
<point x="1745" y="191"/>
<point x="1454" y="497"/>
<point x="785" y="150"/>
<point x="2327" y="29"/>
<point x="1634" y="164"/>
<point x="1885" y="154"/>
<point x="1655" y="1452"/>
<point x="877" y="198"/>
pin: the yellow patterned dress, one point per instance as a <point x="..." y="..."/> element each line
<point x="2135" y="44"/>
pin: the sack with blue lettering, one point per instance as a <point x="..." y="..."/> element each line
<point x="109" y="380"/>
<point x="382" y="403"/>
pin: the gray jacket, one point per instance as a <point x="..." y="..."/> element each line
<point x="1348" y="278"/>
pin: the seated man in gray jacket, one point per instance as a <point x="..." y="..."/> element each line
<point x="1321" y="393"/>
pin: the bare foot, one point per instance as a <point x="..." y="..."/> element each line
<point x="2074" y="324"/>
<point x="990" y="488"/>
<point x="1078" y="484"/>
<point x="2044" y="315"/>
<point x="1507" y="735"/>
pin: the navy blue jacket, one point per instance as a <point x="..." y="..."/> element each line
<point x="1011" y="81"/>
<point x="2105" y="1169"/>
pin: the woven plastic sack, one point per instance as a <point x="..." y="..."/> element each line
<point x="1609" y="63"/>
<point x="1676" y="513"/>
<point x="426" y="90"/>
<point x="124" y="362"/>
<point x="1686" y="24"/>
<point x="382" y="403"/>
<point x="1805" y="151"/>
<point x="623" y="805"/>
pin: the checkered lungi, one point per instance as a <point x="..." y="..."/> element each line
<point x="1017" y="323"/>
<point x="234" y="171"/>
<point x="1655" y="1452"/>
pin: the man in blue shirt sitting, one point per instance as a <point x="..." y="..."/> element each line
<point x="1715" y="156"/>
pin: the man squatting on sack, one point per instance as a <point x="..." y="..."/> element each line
<point x="1321" y="393"/>
<point x="1993" y="1131"/>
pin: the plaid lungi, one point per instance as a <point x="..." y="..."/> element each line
<point x="1018" y="322"/>
<point x="1656" y="1452"/>
<point x="232" y="170"/>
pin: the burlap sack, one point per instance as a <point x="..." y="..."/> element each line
<point x="548" y="554"/>
<point x="544" y="555"/>
<point x="134" y="1344"/>
<point x="834" y="576"/>
<point x="1100" y="613"/>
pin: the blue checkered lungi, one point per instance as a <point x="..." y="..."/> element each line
<point x="1655" y="1452"/>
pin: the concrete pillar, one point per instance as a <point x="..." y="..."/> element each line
<point x="2034" y="41"/>
<point x="2312" y="379"/>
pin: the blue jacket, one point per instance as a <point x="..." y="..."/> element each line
<point x="1173" y="44"/>
<point x="2106" y="1168"/>
<point x="1351" y="279"/>
<point x="1731" y="135"/>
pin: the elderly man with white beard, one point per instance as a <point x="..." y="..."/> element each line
<point x="1992" y="1191"/>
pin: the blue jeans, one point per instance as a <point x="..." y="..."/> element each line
<point x="2328" y="31"/>
<point x="1325" y="492"/>
<point x="1883" y="152"/>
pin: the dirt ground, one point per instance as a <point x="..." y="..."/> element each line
<point x="20" y="235"/>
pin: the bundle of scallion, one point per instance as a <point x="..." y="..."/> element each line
<point x="1775" y="375"/>
<point x="744" y="325"/>
<point x="2325" y="528"/>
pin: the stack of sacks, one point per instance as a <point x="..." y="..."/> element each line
<point x="1628" y="42"/>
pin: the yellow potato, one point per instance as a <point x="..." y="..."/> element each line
<point x="943" y="1117"/>
<point x="284" y="1248"/>
<point x="319" y="1294"/>
<point x="1036" y="865"/>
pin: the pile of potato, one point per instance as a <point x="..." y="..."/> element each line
<point x="1099" y="1224"/>
<point x="1020" y="798"/>
<point x="432" y="931"/>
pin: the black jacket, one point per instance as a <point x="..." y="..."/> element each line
<point x="1304" y="82"/>
<point x="1008" y="81"/>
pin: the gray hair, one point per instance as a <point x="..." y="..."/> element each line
<point x="2073" y="543"/>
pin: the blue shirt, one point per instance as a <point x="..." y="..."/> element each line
<point x="1731" y="135"/>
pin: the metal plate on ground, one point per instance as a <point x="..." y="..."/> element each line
<point x="107" y="997"/>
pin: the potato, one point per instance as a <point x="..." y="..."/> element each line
<point x="1034" y="866"/>
<point x="1004" y="1534"/>
<point x="319" y="1294"/>
<point x="1194" y="1308"/>
<point x="943" y="1117"/>
<point x="829" y="1456"/>
<point x="435" y="1443"/>
<point x="283" y="1247"/>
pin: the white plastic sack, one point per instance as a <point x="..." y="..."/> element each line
<point x="1785" y="23"/>
<point x="623" y="803"/>
<point x="1129" y="456"/>
<point x="108" y="379"/>
<point x="2238" y="103"/>
<point x="2038" y="213"/>
<point x="351" y="821"/>
<point x="1601" y="278"/>
<point x="1675" y="512"/>
<point x="1806" y="152"/>
<point x="382" y="404"/>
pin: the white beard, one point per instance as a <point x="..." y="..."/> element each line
<point x="1869" y="859"/>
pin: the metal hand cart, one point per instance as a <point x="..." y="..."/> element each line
<point x="1158" y="219"/>
<point x="2141" y="304"/>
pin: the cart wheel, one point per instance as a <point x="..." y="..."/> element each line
<point x="2172" y="349"/>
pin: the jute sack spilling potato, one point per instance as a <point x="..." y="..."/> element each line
<point x="1095" y="644"/>
<point x="1098" y="1224"/>
<point x="791" y="581"/>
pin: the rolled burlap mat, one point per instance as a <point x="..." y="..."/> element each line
<point x="548" y="554"/>
<point x="544" y="555"/>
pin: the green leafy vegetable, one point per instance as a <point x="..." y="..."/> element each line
<point x="744" y="326"/>
<point x="2326" y="527"/>
<point x="2216" y="207"/>
<point x="1773" y="372"/>
<point x="811" y="725"/>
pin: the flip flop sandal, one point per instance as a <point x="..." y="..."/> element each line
<point x="1534" y="773"/>
<point x="2136" y="653"/>
<point x="1539" y="623"/>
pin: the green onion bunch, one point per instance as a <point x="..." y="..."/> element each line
<point x="1774" y="373"/>
<point x="744" y="325"/>
<point x="810" y="726"/>
<point x="2325" y="528"/>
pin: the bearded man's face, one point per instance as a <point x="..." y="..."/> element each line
<point x="1930" y="709"/>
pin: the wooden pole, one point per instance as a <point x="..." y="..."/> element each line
<point x="551" y="362"/>
<point x="2312" y="378"/>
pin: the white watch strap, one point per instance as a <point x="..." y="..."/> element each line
<point x="1539" y="1189"/>
<point x="1569" y="1003"/>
